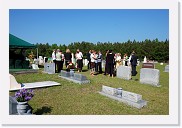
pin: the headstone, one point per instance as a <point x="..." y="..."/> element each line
<point x="79" y="77"/>
<point x="138" y="62"/>
<point x="131" y="96"/>
<point x="73" y="58"/>
<point x="166" y="68"/>
<point x="45" y="59"/>
<point x="145" y="60"/>
<point x="49" y="68"/>
<point x="124" y="72"/>
<point x="34" y="66"/>
<point x="149" y="76"/>
<point x="148" y="65"/>
<point x="36" y="61"/>
<point x="13" y="83"/>
<point x="12" y="105"/>
<point x="109" y="90"/>
<point x="86" y="62"/>
<point x="41" y="60"/>
<point x="103" y="63"/>
<point x="65" y="73"/>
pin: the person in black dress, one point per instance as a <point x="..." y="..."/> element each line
<point x="106" y="65"/>
<point x="110" y="61"/>
<point x="133" y="64"/>
<point x="67" y="57"/>
<point x="88" y="59"/>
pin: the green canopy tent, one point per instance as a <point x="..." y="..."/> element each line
<point x="18" y="61"/>
<point x="17" y="43"/>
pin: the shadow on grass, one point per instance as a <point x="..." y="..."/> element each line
<point x="43" y="110"/>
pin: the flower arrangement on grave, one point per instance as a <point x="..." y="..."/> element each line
<point x="70" y="66"/>
<point x="24" y="95"/>
<point x="31" y="57"/>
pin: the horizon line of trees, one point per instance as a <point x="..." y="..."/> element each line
<point x="152" y="49"/>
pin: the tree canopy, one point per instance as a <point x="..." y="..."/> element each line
<point x="152" y="49"/>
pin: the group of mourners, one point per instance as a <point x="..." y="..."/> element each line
<point x="112" y="61"/>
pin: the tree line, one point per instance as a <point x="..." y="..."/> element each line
<point x="152" y="49"/>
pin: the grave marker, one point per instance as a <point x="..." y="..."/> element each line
<point x="108" y="90"/>
<point x="149" y="76"/>
<point x="49" y="68"/>
<point x="124" y="72"/>
<point x="148" y="65"/>
<point x="129" y="98"/>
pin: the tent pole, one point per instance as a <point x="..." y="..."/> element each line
<point x="37" y="53"/>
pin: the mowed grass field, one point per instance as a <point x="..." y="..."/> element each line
<point x="73" y="99"/>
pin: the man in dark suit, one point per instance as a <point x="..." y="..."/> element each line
<point x="133" y="64"/>
<point x="89" y="59"/>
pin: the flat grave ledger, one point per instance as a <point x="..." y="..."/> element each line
<point x="129" y="98"/>
<point x="166" y="68"/>
<point x="148" y="65"/>
<point x="149" y="76"/>
<point x="124" y="72"/>
<point x="74" y="77"/>
<point x="49" y="68"/>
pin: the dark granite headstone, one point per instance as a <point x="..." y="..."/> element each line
<point x="148" y="65"/>
<point x="79" y="77"/>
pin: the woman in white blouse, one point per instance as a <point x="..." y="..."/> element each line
<point x="79" y="61"/>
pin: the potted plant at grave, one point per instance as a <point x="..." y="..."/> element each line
<point x="23" y="96"/>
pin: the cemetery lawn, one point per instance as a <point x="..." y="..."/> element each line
<point x="73" y="99"/>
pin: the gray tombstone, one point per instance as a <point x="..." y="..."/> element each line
<point x="12" y="105"/>
<point x="124" y="72"/>
<point x="65" y="73"/>
<point x="149" y="76"/>
<point x="49" y="68"/>
<point x="166" y="68"/>
<point x="131" y="96"/>
<point x="103" y="63"/>
<point x="79" y="77"/>
<point x="108" y="90"/>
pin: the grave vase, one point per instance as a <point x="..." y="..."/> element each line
<point x="22" y="107"/>
<point x="71" y="72"/>
<point x="119" y="92"/>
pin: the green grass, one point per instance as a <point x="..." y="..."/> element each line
<point x="75" y="99"/>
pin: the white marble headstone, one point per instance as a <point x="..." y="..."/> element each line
<point x="108" y="90"/>
<point x="149" y="76"/>
<point x="131" y="96"/>
<point x="34" y="66"/>
<point x="124" y="72"/>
